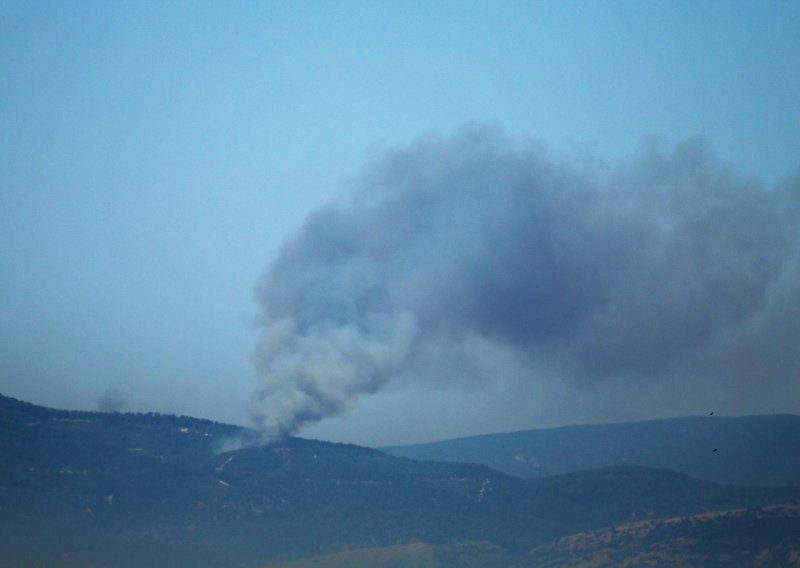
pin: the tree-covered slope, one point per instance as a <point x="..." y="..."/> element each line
<point x="83" y="488"/>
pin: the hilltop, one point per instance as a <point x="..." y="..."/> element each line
<point x="750" y="450"/>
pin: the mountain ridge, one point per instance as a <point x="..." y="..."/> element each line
<point x="84" y="488"/>
<point x="749" y="450"/>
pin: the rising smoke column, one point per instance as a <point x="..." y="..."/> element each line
<point x="667" y="263"/>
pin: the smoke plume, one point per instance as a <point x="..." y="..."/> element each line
<point x="669" y="263"/>
<point x="111" y="401"/>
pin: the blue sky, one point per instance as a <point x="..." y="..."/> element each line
<point x="155" y="155"/>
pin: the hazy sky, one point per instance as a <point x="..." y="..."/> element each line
<point x="154" y="156"/>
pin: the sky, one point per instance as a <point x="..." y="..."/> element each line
<point x="193" y="196"/>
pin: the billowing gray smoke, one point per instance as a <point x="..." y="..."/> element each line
<point x="668" y="263"/>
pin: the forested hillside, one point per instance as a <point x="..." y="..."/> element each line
<point x="87" y="489"/>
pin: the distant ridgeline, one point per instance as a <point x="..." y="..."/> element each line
<point x="751" y="450"/>
<point x="109" y="489"/>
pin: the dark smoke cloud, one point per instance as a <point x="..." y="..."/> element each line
<point x="668" y="263"/>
